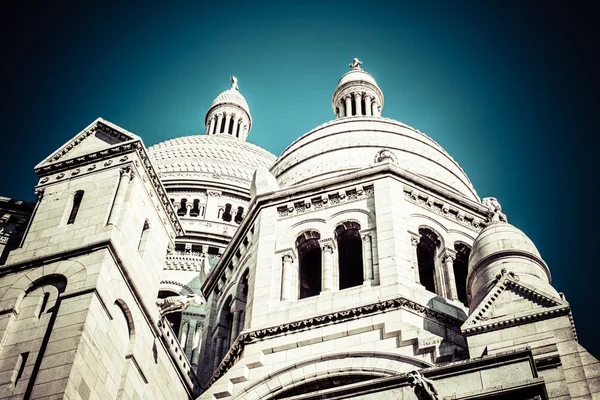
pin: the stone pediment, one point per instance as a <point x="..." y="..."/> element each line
<point x="100" y="135"/>
<point x="511" y="302"/>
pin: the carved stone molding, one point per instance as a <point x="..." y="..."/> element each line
<point x="325" y="200"/>
<point x="444" y="209"/>
<point x="326" y="319"/>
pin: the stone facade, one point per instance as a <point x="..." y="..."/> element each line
<point x="360" y="263"/>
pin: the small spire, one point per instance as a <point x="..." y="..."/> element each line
<point x="234" y="85"/>
<point x="356" y="63"/>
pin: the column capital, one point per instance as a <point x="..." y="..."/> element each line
<point x="328" y="248"/>
<point x="366" y="237"/>
<point x="127" y="171"/>
<point x="414" y="241"/>
<point x="287" y="257"/>
<point x="358" y="95"/>
<point x="448" y="256"/>
<point x="39" y="193"/>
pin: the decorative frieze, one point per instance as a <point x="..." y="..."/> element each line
<point x="444" y="209"/>
<point x="325" y="200"/>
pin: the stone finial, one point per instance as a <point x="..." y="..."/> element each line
<point x="356" y="65"/>
<point x="179" y="303"/>
<point x="494" y="210"/>
<point x="424" y="388"/>
<point x="234" y="85"/>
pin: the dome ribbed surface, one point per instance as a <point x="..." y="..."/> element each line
<point x="231" y="96"/>
<point x="222" y="155"/>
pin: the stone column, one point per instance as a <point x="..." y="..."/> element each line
<point x="327" y="268"/>
<point x="286" y="277"/>
<point x="183" y="335"/>
<point x="196" y="343"/>
<point x="348" y="100"/>
<point x="368" y="110"/>
<point x="125" y="178"/>
<point x="375" y="108"/>
<point x="450" y="278"/>
<point x="235" y="326"/>
<point x="342" y="109"/>
<point x="219" y="121"/>
<point x="227" y="122"/>
<point x="357" y="103"/>
<point x="211" y="127"/>
<point x="367" y="257"/>
<point x="414" y="241"/>
<point x="235" y="126"/>
<point x="218" y="351"/>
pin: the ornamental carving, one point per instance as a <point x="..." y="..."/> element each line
<point x="444" y="209"/>
<point x="385" y="155"/>
<point x="325" y="200"/>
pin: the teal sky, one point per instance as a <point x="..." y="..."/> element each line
<point x="509" y="89"/>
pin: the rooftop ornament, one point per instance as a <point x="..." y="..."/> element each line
<point x="234" y="85"/>
<point x="356" y="65"/>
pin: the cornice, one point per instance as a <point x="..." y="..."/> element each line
<point x="326" y="200"/>
<point x="443" y="208"/>
<point x="258" y="335"/>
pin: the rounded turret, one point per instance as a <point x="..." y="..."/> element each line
<point x="357" y="94"/>
<point x="229" y="114"/>
<point x="502" y="248"/>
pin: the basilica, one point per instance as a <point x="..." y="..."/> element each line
<point x="360" y="263"/>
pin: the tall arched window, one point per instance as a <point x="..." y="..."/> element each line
<point x="182" y="208"/>
<point x="350" y="263"/>
<point x="426" y="255"/>
<point x="239" y="215"/>
<point x="309" y="260"/>
<point x="76" y="204"/>
<point x="227" y="213"/>
<point x="195" y="211"/>
<point x="461" y="268"/>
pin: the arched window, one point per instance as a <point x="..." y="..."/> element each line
<point x="222" y="127"/>
<point x="239" y="215"/>
<point x="182" y="208"/>
<point x="350" y="260"/>
<point x="426" y="257"/>
<point x="461" y="268"/>
<point x="76" y="204"/>
<point x="227" y="213"/>
<point x="224" y="330"/>
<point x="195" y="211"/>
<point x="309" y="260"/>
<point x="175" y="317"/>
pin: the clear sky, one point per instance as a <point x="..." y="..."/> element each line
<point x="509" y="89"/>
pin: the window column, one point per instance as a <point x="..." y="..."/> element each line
<point x="227" y="122"/>
<point x="348" y="101"/>
<point x="357" y="103"/>
<point x="327" y="267"/>
<point x="235" y="126"/>
<point x="211" y="127"/>
<point x="368" y="110"/>
<point x="219" y="121"/>
<point x="286" y="277"/>
<point x="448" y="261"/>
<point x="367" y="257"/>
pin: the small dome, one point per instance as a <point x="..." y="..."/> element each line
<point x="231" y="96"/>
<point x="499" y="237"/>
<point x="502" y="247"/>
<point x="229" y="114"/>
<point x="357" y="94"/>
<point x="356" y="76"/>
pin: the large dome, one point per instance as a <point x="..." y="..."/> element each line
<point x="347" y="144"/>
<point x="218" y="157"/>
